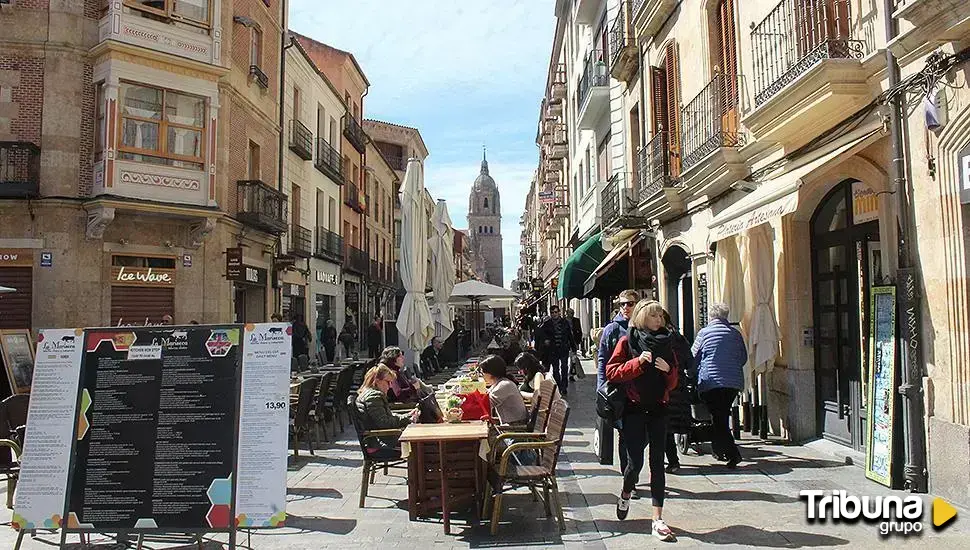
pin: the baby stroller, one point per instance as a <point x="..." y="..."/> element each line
<point x="698" y="428"/>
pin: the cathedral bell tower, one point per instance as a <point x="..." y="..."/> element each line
<point x="485" y="225"/>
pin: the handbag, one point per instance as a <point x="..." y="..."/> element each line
<point x="611" y="402"/>
<point x="576" y="367"/>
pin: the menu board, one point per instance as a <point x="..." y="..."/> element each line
<point x="263" y="426"/>
<point x="156" y="428"/>
<point x="882" y="384"/>
<point x="46" y="458"/>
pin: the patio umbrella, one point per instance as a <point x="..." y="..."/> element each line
<point x="7" y="289"/>
<point x="475" y="293"/>
<point x="443" y="269"/>
<point x="414" y="322"/>
<point x="763" y="335"/>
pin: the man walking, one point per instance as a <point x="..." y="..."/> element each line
<point x="720" y="355"/>
<point x="375" y="333"/>
<point x="557" y="342"/>
<point x="616" y="329"/>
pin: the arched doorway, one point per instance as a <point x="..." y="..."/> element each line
<point x="842" y="241"/>
<point x="678" y="294"/>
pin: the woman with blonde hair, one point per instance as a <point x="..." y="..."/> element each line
<point x="375" y="412"/>
<point x="644" y="362"/>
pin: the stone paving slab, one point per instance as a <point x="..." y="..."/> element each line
<point x="754" y="506"/>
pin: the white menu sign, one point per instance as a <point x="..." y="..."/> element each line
<point x="41" y="489"/>
<point x="264" y="413"/>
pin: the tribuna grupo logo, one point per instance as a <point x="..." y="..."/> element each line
<point x="894" y="515"/>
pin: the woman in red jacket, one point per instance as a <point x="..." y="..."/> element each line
<point x="644" y="363"/>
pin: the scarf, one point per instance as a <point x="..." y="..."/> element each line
<point x="652" y="383"/>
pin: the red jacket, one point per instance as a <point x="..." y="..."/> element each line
<point x="623" y="368"/>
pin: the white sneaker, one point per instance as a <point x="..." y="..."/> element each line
<point x="622" y="507"/>
<point x="662" y="532"/>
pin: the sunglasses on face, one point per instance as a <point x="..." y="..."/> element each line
<point x="627" y="304"/>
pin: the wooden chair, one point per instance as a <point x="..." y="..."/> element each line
<point x="511" y="475"/>
<point x="548" y="395"/>
<point x="300" y="420"/>
<point x="338" y="399"/>
<point x="323" y="407"/>
<point x="13" y="421"/>
<point x="375" y="457"/>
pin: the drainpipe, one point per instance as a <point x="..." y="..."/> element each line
<point x="285" y="44"/>
<point x="907" y="288"/>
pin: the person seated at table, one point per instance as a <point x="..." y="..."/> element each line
<point x="375" y="412"/>
<point x="406" y="387"/>
<point x="430" y="363"/>
<point x="532" y="371"/>
<point x="503" y="396"/>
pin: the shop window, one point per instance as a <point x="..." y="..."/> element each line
<point x="140" y="261"/>
<point x="162" y="126"/>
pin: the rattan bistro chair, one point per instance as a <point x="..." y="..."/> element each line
<point x="375" y="457"/>
<point x="323" y="407"/>
<point x="510" y="475"/>
<point x="13" y="420"/>
<point x="300" y="420"/>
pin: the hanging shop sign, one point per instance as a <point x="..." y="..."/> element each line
<point x="963" y="158"/>
<point x="547" y="197"/>
<point x="285" y="262"/>
<point x="882" y="385"/>
<point x="240" y="272"/>
<point x="865" y="203"/>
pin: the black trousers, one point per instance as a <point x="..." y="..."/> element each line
<point x="560" y="369"/>
<point x="640" y="431"/>
<point x="719" y="401"/>
<point x="671" y="450"/>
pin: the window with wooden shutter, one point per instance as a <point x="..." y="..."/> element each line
<point x="15" y="307"/>
<point x="672" y="122"/>
<point x="725" y="58"/>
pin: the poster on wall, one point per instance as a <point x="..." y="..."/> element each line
<point x="51" y="417"/>
<point x="263" y="425"/>
<point x="155" y="439"/>
<point x="17" y="355"/>
<point x="882" y="385"/>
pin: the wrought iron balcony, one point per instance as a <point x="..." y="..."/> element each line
<point x="352" y="198"/>
<point x="328" y="161"/>
<point x="259" y="76"/>
<point x="330" y="245"/>
<point x="356" y="260"/>
<point x="616" y="199"/>
<point x="397" y="162"/>
<point x="260" y="206"/>
<point x="301" y="140"/>
<point x="711" y="120"/>
<point x="19" y="170"/>
<point x="593" y="84"/>
<point x="558" y="143"/>
<point x="624" y="58"/>
<point x="301" y="241"/>
<point x="653" y="166"/>
<point x="354" y="133"/>
<point x="795" y="36"/>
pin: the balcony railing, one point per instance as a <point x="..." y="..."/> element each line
<point x="328" y="161"/>
<point x="356" y="260"/>
<point x="558" y="143"/>
<point x="259" y="76"/>
<point x="624" y="57"/>
<point x="260" y="206"/>
<point x="19" y="170"/>
<point x="301" y="140"/>
<point x="711" y="120"/>
<point x="796" y="35"/>
<point x="301" y="241"/>
<point x="352" y="198"/>
<point x="653" y="166"/>
<point x="616" y="199"/>
<point x="355" y="134"/>
<point x="330" y="245"/>
<point x="594" y="74"/>
<point x="397" y="162"/>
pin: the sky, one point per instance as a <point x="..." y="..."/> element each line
<point x="465" y="73"/>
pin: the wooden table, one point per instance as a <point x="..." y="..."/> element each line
<point x="444" y="459"/>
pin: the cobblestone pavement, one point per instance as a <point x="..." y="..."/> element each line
<point x="756" y="505"/>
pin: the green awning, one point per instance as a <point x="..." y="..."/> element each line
<point x="579" y="266"/>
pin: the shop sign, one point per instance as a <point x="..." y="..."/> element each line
<point x="963" y="158"/>
<point x="780" y="207"/>
<point x="327" y="277"/>
<point x="237" y="271"/>
<point x="142" y="276"/>
<point x="16" y="257"/>
<point x="865" y="203"/>
<point x="547" y="197"/>
<point x="536" y="284"/>
<point x="298" y="291"/>
<point x="285" y="262"/>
